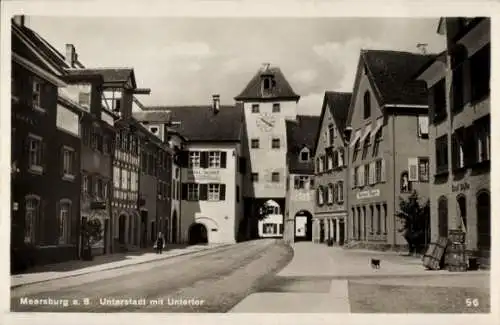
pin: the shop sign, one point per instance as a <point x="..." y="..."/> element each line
<point x="368" y="194"/>
<point x="203" y="175"/>
<point x="460" y="187"/>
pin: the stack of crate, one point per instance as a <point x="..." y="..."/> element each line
<point x="433" y="258"/>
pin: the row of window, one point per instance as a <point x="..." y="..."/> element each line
<point x="96" y="140"/>
<point x="366" y="145"/>
<point x="368" y="174"/>
<point x="330" y="194"/>
<point x="125" y="195"/>
<point x="275" y="143"/>
<point x="151" y="164"/>
<point x="203" y="192"/>
<point x="275" y="177"/>
<point x="272" y="229"/>
<point x="207" y="159"/>
<point x="370" y="219"/>
<point x="470" y="145"/>
<point x="95" y="186"/>
<point x="276" y="108"/>
<point x="32" y="218"/>
<point x="331" y="160"/>
<point x="125" y="179"/>
<point x="473" y="72"/>
<point x="37" y="91"/>
<point x="303" y="182"/>
<point x="163" y="190"/>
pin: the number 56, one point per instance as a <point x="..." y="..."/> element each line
<point x="472" y="302"/>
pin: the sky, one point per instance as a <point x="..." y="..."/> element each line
<point x="186" y="60"/>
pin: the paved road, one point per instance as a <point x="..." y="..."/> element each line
<point x="212" y="281"/>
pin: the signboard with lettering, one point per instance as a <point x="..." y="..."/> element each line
<point x="460" y="187"/>
<point x="368" y="194"/>
<point x="203" y="175"/>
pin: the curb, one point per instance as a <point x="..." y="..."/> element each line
<point x="115" y="267"/>
<point x="379" y="276"/>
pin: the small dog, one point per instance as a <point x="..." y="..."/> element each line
<point x="375" y="263"/>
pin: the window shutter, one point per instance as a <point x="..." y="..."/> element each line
<point x="184" y="191"/>
<point x="413" y="169"/>
<point x="222" y="193"/>
<point x="353" y="177"/>
<point x="341" y="158"/>
<point x="223" y="159"/>
<point x="204" y="159"/>
<point x="382" y="170"/>
<point x="317" y="196"/>
<point x="371" y="177"/>
<point x="203" y="192"/>
<point x="335" y="193"/>
<point x="362" y="176"/>
<point x="183" y="158"/>
<point x="325" y="194"/>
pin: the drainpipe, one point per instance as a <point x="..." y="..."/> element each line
<point x="394" y="179"/>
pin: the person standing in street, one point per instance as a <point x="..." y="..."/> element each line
<point x="159" y="243"/>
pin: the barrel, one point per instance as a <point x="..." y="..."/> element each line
<point x="456" y="259"/>
<point x="456" y="236"/>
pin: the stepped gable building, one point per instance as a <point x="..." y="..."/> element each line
<point x="330" y="157"/>
<point x="388" y="154"/>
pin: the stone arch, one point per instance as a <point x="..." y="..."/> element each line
<point x="303" y="225"/>
<point x="483" y="213"/>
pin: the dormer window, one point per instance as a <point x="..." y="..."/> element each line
<point x="267" y="83"/>
<point x="366" y="105"/>
<point x="304" y="155"/>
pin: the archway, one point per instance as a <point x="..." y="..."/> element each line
<point x="303" y="226"/>
<point x="483" y="221"/>
<point x="174" y="227"/>
<point x="198" y="234"/>
<point x="121" y="228"/>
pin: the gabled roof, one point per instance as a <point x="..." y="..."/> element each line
<point x="201" y="124"/>
<point x="338" y="104"/>
<point x="281" y="89"/>
<point x="109" y="75"/>
<point x="392" y="77"/>
<point x="301" y="133"/>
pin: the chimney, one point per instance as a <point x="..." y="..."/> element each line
<point x="19" y="20"/>
<point x="216" y="103"/>
<point x="70" y="55"/>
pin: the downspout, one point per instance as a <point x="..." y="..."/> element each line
<point x="394" y="179"/>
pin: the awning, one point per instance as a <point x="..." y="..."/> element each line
<point x="355" y="138"/>
<point x="378" y="125"/>
<point x="366" y="132"/>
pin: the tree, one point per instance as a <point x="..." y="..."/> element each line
<point x="91" y="231"/>
<point x="415" y="218"/>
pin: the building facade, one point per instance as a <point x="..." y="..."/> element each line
<point x="45" y="150"/>
<point x="388" y="151"/>
<point x="300" y="178"/>
<point x="459" y="90"/>
<point x="268" y="102"/>
<point x="209" y="173"/>
<point x="330" y="201"/>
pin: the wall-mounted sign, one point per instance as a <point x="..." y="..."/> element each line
<point x="98" y="205"/>
<point x="203" y="175"/>
<point x="368" y="194"/>
<point x="460" y="187"/>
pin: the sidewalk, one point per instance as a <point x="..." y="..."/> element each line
<point x="102" y="263"/>
<point x="316" y="263"/>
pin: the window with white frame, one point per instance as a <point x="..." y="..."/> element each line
<point x="276" y="108"/>
<point x="300" y="182"/>
<point x="304" y="155"/>
<point x="255" y="108"/>
<point x="193" y="192"/>
<point x="269" y="228"/>
<point x="331" y="134"/>
<point x="64" y="222"/>
<point x="255" y="143"/>
<point x="68" y="161"/>
<point x="214" y="159"/>
<point x="35" y="152"/>
<point x="32" y="213"/>
<point x="275" y="177"/>
<point x="340" y="191"/>
<point x="275" y="143"/>
<point x="329" y="157"/>
<point x="330" y="193"/>
<point x="213" y="192"/>
<point x="37" y="93"/>
<point x="194" y="159"/>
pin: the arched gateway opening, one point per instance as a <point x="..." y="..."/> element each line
<point x="303" y="226"/>
<point x="198" y="234"/>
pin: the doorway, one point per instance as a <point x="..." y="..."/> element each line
<point x="198" y="234"/>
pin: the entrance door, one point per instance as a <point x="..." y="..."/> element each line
<point x="121" y="229"/>
<point x="341" y="232"/>
<point x="198" y="234"/>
